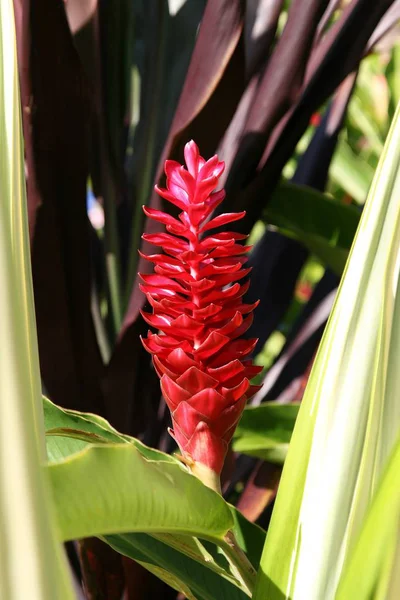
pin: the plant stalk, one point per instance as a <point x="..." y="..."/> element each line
<point x="206" y="475"/>
<point x="241" y="566"/>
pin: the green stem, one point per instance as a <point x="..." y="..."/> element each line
<point x="241" y="566"/>
<point x="111" y="240"/>
<point x="114" y="286"/>
<point x="101" y="334"/>
<point x="209" y="477"/>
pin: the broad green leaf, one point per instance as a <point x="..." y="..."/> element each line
<point x="200" y="551"/>
<point x="32" y="563"/>
<point x="324" y="226"/>
<point x="114" y="489"/>
<point x="349" y="419"/>
<point x="264" y="431"/>
<point x="88" y="429"/>
<point x="188" y="559"/>
<point x="69" y="431"/>
<point x="373" y="566"/>
<point x="352" y="173"/>
<point x="250" y="537"/>
<point x="184" y="574"/>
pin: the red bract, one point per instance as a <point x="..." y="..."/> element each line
<point x="199" y="312"/>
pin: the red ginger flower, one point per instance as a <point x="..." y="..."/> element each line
<point x="198" y="308"/>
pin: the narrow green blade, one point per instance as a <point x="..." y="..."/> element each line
<point x="372" y="570"/>
<point x="32" y="564"/>
<point x="350" y="416"/>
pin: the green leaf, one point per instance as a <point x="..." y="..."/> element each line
<point x="74" y="425"/>
<point x="152" y="494"/>
<point x="114" y="488"/>
<point x="352" y="173"/>
<point x="324" y="226"/>
<point x="264" y="431"/>
<point x="251" y="537"/>
<point x="192" y="578"/>
<point x="372" y="570"/>
<point x="349" y="419"/>
<point x="32" y="562"/>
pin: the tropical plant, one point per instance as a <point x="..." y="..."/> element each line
<point x="109" y="91"/>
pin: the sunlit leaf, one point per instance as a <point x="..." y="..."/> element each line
<point x="75" y="425"/>
<point x="372" y="570"/>
<point x="264" y="431"/>
<point x="175" y="568"/>
<point x="32" y="562"/>
<point x="349" y="419"/>
<point x="324" y="226"/>
<point x="351" y="172"/>
<point x="114" y="489"/>
<point x="167" y="505"/>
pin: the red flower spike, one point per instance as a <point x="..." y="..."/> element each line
<point x="199" y="313"/>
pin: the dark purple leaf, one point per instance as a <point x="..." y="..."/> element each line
<point x="212" y="89"/>
<point x="386" y="24"/>
<point x="131" y="387"/>
<point x="217" y="41"/>
<point x="277" y="262"/>
<point x="69" y="356"/>
<point x="335" y="57"/>
<point x="284" y="378"/>
<point x="278" y="89"/>
<point x="141" y="584"/>
<point x="276" y="259"/>
<point x="260" y="27"/>
<point x="313" y="166"/>
<point x="22" y="13"/>
<point x="283" y="79"/>
<point x="332" y="7"/>
<point x="261" y="19"/>
<point x="103" y="573"/>
<point x="260" y="490"/>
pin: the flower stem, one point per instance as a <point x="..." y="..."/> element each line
<point x="241" y="566"/>
<point x="209" y="477"/>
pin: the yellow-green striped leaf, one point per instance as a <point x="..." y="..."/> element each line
<point x="32" y="564"/>
<point x="350" y="416"/>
